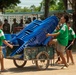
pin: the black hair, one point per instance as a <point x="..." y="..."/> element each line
<point x="34" y="18"/>
<point x="66" y="17"/>
<point x="5" y="20"/>
<point x="14" y="19"/>
<point x="1" y="23"/>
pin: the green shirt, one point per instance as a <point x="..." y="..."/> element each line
<point x="71" y="34"/>
<point x="63" y="36"/>
<point x="2" y="37"/>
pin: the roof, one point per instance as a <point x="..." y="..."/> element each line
<point x="26" y="13"/>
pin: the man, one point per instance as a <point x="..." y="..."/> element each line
<point x="14" y="25"/>
<point x="6" y="27"/>
<point x="21" y="24"/>
<point x="62" y="39"/>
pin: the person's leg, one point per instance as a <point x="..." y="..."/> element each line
<point x="67" y="55"/>
<point x="58" y="59"/>
<point x="1" y="59"/>
<point x="71" y="56"/>
<point x="52" y="42"/>
<point x="2" y="63"/>
<point x="63" y="59"/>
<point x="61" y="49"/>
<point x="58" y="54"/>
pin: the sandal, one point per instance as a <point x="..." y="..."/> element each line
<point x="64" y="67"/>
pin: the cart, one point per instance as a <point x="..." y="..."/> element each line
<point x="31" y="44"/>
<point x="39" y="55"/>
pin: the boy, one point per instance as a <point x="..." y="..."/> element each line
<point x="62" y="39"/>
<point x="2" y="40"/>
<point x="70" y="42"/>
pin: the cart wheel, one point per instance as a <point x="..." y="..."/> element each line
<point x="19" y="63"/>
<point x="42" y="61"/>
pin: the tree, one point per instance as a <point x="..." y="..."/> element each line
<point x="32" y="8"/>
<point x="7" y="3"/>
<point x="47" y="4"/>
<point x="46" y="8"/>
<point x="65" y="3"/>
<point x="73" y="4"/>
<point x="60" y="5"/>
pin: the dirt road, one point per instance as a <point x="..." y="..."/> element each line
<point x="30" y="69"/>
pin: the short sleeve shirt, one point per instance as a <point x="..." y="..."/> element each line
<point x="6" y="28"/>
<point x="13" y="27"/>
<point x="2" y="37"/>
<point x="63" y="36"/>
<point x="71" y="34"/>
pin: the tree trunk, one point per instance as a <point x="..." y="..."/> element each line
<point x="46" y="8"/>
<point x="1" y="10"/>
<point x="74" y="21"/>
<point x="74" y="17"/>
<point x="65" y="4"/>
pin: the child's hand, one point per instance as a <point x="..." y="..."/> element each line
<point x="11" y="46"/>
<point x="57" y="28"/>
<point x="47" y="35"/>
<point x="72" y="42"/>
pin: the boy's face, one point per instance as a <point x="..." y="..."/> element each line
<point x="62" y="20"/>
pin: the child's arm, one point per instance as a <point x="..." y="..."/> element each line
<point x="73" y="41"/>
<point x="55" y="34"/>
<point x="6" y="43"/>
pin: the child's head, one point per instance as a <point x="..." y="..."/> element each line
<point x="1" y="24"/>
<point x="68" y="24"/>
<point x="64" y="19"/>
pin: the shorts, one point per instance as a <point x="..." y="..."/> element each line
<point x="1" y="53"/>
<point x="69" y="42"/>
<point x="53" y="42"/>
<point x="60" y="48"/>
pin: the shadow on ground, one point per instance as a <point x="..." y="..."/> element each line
<point x="31" y="69"/>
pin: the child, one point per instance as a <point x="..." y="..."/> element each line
<point x="70" y="42"/>
<point x="2" y="40"/>
<point x="62" y="39"/>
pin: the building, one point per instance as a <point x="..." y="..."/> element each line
<point x="22" y="15"/>
<point x="69" y="5"/>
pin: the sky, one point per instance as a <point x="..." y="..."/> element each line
<point x="28" y="3"/>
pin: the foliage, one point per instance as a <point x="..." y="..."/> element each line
<point x="7" y="3"/>
<point x="53" y="5"/>
<point x="19" y="9"/>
<point x="60" y="5"/>
<point x="57" y="5"/>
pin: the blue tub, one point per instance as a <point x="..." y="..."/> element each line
<point x="14" y="42"/>
<point x="13" y="35"/>
<point x="8" y="37"/>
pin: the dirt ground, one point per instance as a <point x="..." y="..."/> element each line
<point x="31" y="69"/>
